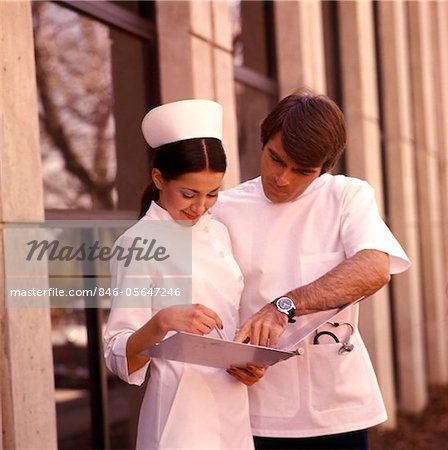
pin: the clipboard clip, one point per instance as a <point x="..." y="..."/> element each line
<point x="298" y="351"/>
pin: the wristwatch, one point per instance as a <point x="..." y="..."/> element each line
<point x="286" y="306"/>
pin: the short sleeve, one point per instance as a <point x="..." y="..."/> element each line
<point x="363" y="228"/>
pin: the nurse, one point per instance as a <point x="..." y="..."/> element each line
<point x="185" y="406"/>
<point x="323" y="244"/>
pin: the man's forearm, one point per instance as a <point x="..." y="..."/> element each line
<point x="359" y="276"/>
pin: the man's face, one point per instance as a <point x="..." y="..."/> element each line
<point x="283" y="180"/>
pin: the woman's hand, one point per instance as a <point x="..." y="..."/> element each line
<point x="196" y="319"/>
<point x="248" y="376"/>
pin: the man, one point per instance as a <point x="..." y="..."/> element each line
<point x="318" y="240"/>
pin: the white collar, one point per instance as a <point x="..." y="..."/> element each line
<point x="316" y="184"/>
<point x="156" y="212"/>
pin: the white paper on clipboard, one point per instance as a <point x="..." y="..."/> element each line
<point x="213" y="352"/>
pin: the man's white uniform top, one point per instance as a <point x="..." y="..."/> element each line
<point x="281" y="246"/>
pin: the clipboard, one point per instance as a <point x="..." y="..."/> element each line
<point x="214" y="352"/>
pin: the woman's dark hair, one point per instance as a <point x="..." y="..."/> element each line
<point x="181" y="157"/>
<point x="312" y="127"/>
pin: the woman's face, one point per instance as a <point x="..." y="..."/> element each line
<point x="189" y="196"/>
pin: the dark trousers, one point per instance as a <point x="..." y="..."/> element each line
<point x="354" y="440"/>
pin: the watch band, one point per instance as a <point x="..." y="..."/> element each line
<point x="290" y="312"/>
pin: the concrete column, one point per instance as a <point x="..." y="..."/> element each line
<point x="428" y="189"/>
<point x="440" y="27"/>
<point x="300" y="46"/>
<point x="195" y="53"/>
<point x="26" y="368"/>
<point x="402" y="200"/>
<point x="363" y="159"/>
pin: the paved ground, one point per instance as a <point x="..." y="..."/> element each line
<point x="427" y="431"/>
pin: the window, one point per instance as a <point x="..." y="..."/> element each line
<point x="255" y="76"/>
<point x="93" y="80"/>
<point x="97" y="75"/>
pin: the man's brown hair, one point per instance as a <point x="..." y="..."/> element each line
<point x="312" y="129"/>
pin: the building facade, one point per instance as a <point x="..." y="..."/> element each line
<point x="385" y="63"/>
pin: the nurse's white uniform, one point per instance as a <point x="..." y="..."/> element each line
<point x="281" y="246"/>
<point x="187" y="406"/>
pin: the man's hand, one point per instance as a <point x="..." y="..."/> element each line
<point x="248" y="376"/>
<point x="264" y="328"/>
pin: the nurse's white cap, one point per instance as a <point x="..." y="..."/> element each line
<point x="181" y="120"/>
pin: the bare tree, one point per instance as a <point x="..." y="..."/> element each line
<point x="73" y="67"/>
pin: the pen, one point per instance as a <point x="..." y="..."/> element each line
<point x="220" y="333"/>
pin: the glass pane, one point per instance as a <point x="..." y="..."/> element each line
<point x="253" y="49"/>
<point x="252" y="107"/>
<point x="250" y="35"/>
<point x="73" y="66"/>
<point x="93" y="93"/>
<point x="132" y="74"/>
<point x="69" y="336"/>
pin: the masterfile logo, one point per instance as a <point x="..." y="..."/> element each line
<point x="140" y="249"/>
<point x="68" y="264"/>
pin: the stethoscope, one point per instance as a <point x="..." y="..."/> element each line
<point x="346" y="346"/>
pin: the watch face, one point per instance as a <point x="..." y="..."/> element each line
<point x="285" y="303"/>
